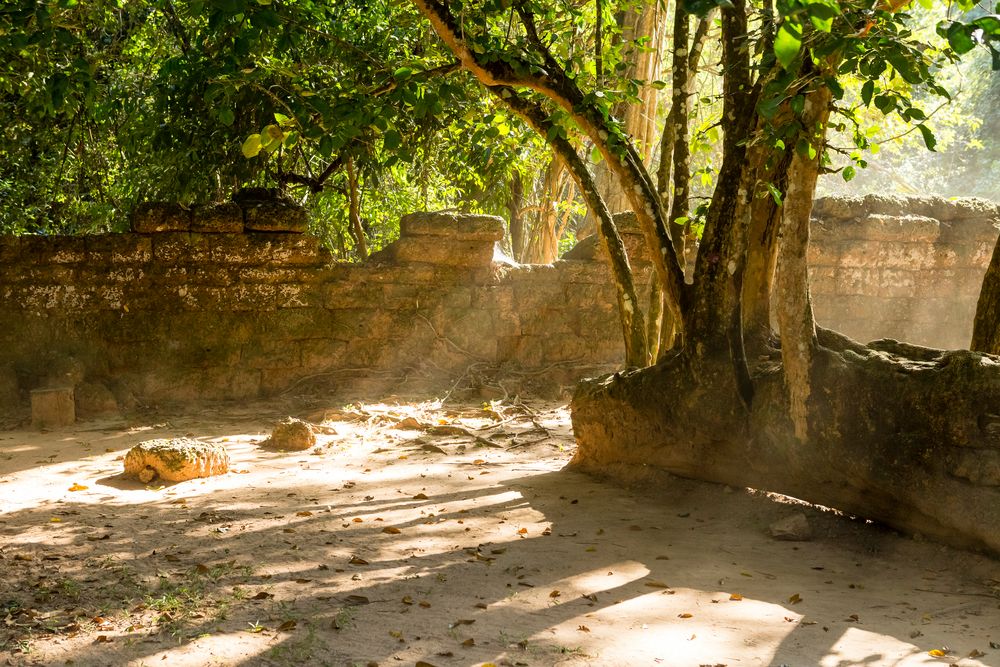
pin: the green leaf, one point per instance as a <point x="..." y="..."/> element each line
<point x="848" y="173"/>
<point x="402" y="74"/>
<point x="392" y="140"/>
<point x="775" y="193"/>
<point x="787" y="43"/>
<point x="227" y="116"/>
<point x="251" y="147"/>
<point x="929" y="140"/>
<point x="959" y="38"/>
<point x="867" y="90"/>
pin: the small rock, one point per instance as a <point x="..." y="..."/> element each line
<point x="176" y="460"/>
<point x="794" y="528"/>
<point x="291" y="434"/>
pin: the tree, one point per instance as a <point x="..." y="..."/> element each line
<point x="822" y="423"/>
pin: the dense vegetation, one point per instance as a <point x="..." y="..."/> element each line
<point x="113" y="102"/>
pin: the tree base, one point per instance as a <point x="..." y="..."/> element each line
<point x="905" y="435"/>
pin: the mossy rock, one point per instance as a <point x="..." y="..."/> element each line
<point x="176" y="460"/>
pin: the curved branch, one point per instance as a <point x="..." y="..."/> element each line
<point x="628" y="304"/>
<point x="554" y="84"/>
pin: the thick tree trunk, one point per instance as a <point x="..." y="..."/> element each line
<point x="543" y="243"/>
<point x="986" y="330"/>
<point x="904" y="435"/>
<point x="795" y="313"/>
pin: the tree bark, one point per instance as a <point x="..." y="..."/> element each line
<point x="795" y="314"/>
<point x="354" y="211"/>
<point x="986" y="330"/>
<point x="514" y="207"/>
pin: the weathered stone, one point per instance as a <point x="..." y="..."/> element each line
<point x="94" y="399"/>
<point x="793" y="528"/>
<point x="224" y="218"/>
<point x="10" y="391"/>
<point x="155" y="217"/>
<point x="461" y="226"/>
<point x="292" y="435"/>
<point x="65" y="371"/>
<point x="440" y="250"/>
<point x="52" y="407"/>
<point x="274" y="216"/>
<point x="176" y="460"/>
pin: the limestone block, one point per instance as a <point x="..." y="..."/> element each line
<point x="442" y="250"/>
<point x="460" y="226"/>
<point x="52" y="407"/>
<point x="274" y="216"/>
<point x="176" y="460"/>
<point x="224" y="218"/>
<point x="291" y="434"/>
<point x="155" y="217"/>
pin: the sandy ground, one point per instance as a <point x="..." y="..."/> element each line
<point x="456" y="538"/>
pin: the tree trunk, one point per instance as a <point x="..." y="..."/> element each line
<point x="514" y="207"/>
<point x="542" y="246"/>
<point x="354" y="211"/>
<point x="795" y="314"/>
<point x="904" y="435"/>
<point x="986" y="330"/>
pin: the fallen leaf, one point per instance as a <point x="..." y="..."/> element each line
<point x="937" y="653"/>
<point x="583" y="628"/>
<point x="736" y="597"/>
<point x="555" y="594"/>
<point x="391" y="530"/>
<point x="523" y="531"/>
<point x="481" y="605"/>
<point x="263" y="595"/>
<point x="407" y="600"/>
<point x="357" y="519"/>
<point x="103" y="639"/>
<point x="357" y="561"/>
<point x="976" y="653"/>
<point x="469" y="642"/>
<point x="78" y="487"/>
<point x="684" y="615"/>
<point x="424" y="604"/>
<point x="302" y="581"/>
<point x="396" y="634"/>
<point x="55" y="519"/>
<point x="653" y="583"/>
<point x="794" y="599"/>
<point x="287" y="625"/>
<point x="995" y="645"/>
<point x="853" y="618"/>
<point x="420" y="496"/>
<point x="479" y="462"/>
<point x="304" y="513"/>
<point x="461" y="621"/>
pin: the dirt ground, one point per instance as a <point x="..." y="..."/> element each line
<point x="429" y="534"/>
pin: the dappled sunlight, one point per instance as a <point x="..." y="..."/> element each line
<point x="386" y="544"/>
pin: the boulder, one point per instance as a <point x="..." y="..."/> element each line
<point x="176" y="460"/>
<point x="292" y="435"/>
<point x="793" y="528"/>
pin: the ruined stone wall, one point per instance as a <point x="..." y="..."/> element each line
<point x="182" y="315"/>
<point x="904" y="268"/>
<point x="205" y="305"/>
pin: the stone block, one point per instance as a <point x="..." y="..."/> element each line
<point x="223" y="218"/>
<point x="52" y="407"/>
<point x="295" y="249"/>
<point x="94" y="399"/>
<point x="181" y="248"/>
<point x="442" y="250"/>
<point x="274" y="216"/>
<point x="156" y="217"/>
<point x="459" y="226"/>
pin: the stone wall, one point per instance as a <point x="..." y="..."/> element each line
<point x="204" y="305"/>
<point x="182" y="315"/>
<point x="909" y="269"/>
